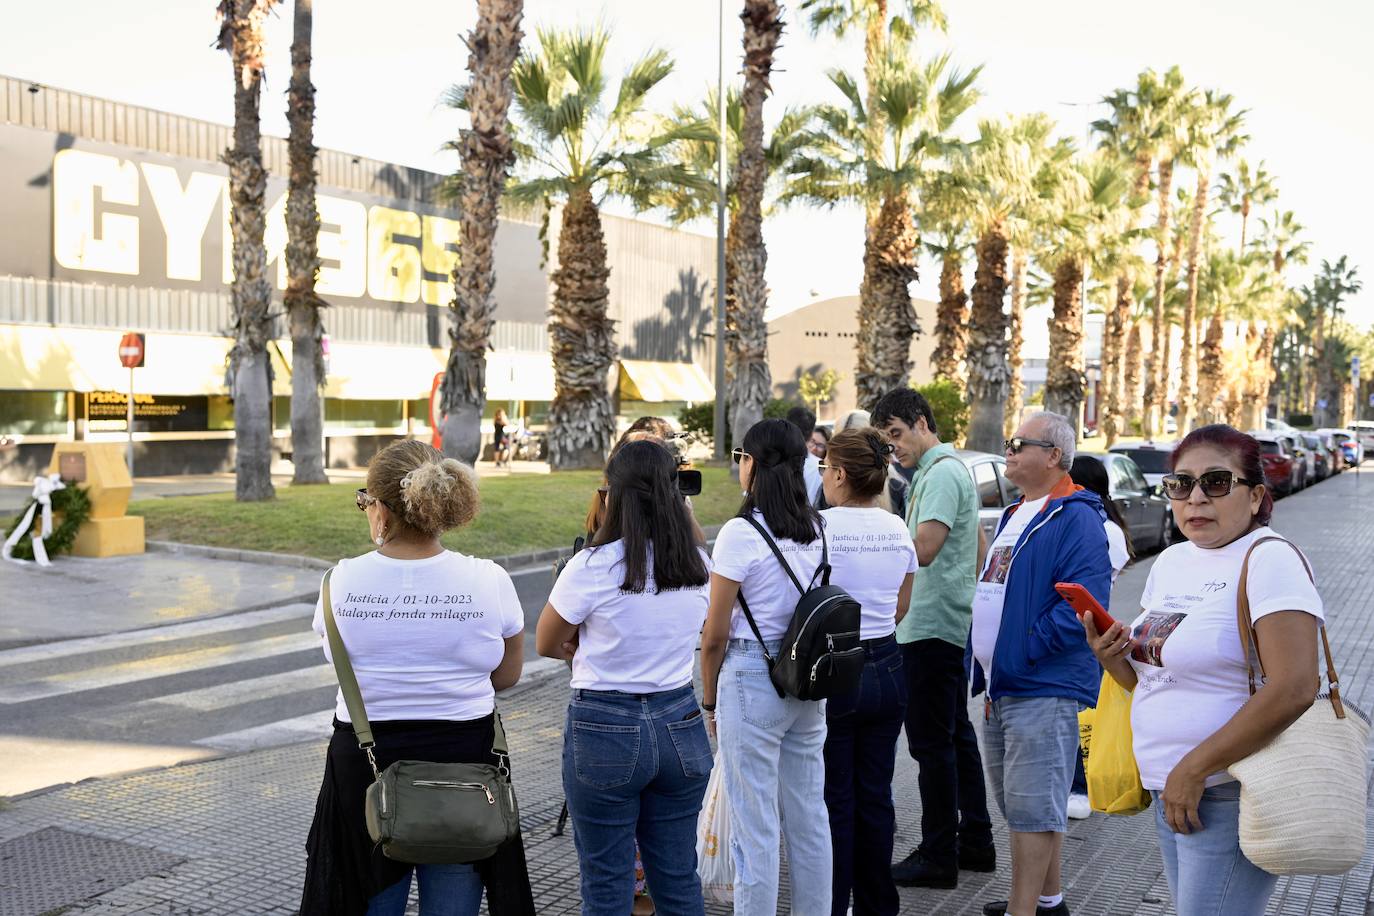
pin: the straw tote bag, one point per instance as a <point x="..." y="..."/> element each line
<point x="1303" y="797"/>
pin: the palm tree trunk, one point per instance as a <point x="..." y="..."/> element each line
<point x="1011" y="414"/>
<point x="951" y="322"/>
<point x="1187" y="386"/>
<point x="987" y="343"/>
<point x="746" y="332"/>
<point x="1113" y="334"/>
<point x="1317" y="357"/>
<point x="875" y="41"/>
<point x="887" y="319"/>
<point x="1156" y="369"/>
<point x="1210" y="381"/>
<point x="251" y="294"/>
<point x="1064" y="381"/>
<point x="486" y="155"/>
<point x="581" y="422"/>
<point x="1134" y="379"/>
<point x="303" y="264"/>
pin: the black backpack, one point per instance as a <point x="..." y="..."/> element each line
<point x="821" y="655"/>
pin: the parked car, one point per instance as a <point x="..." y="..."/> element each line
<point x="1280" y="470"/>
<point x="1152" y="458"/>
<point x="1306" y="462"/>
<point x="1145" y="509"/>
<point x="1349" y="444"/>
<point x="1321" y="468"/>
<point x="1364" y="430"/>
<point x="995" y="491"/>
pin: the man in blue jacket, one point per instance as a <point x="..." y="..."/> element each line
<point x="1029" y="645"/>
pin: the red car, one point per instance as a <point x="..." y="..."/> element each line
<point x="1278" y="466"/>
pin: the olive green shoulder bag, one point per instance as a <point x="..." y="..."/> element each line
<point x="422" y="812"/>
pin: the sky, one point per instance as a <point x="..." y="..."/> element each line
<point x="1304" y="73"/>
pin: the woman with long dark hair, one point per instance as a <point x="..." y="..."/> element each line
<point x="771" y="746"/>
<point x="1090" y="473"/>
<point x="1194" y="709"/>
<point x="635" y="753"/>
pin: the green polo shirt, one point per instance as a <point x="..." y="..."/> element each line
<point x="942" y="593"/>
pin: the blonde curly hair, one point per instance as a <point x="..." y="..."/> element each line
<point x="425" y="491"/>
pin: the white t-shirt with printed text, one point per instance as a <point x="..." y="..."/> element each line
<point x="1191" y="673"/>
<point x="741" y="555"/>
<point x="423" y="636"/>
<point x="1116" y="548"/>
<point x="634" y="641"/>
<point x="871" y="554"/>
<point x="991" y="589"/>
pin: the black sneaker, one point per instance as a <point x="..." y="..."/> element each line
<point x="918" y="871"/>
<point x="978" y="858"/>
<point x="999" y="908"/>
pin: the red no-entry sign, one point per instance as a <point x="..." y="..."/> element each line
<point x="131" y="351"/>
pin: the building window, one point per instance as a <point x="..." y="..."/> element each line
<point x="340" y="413"/>
<point x="33" y="413"/>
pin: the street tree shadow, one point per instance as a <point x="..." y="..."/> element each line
<point x="675" y="334"/>
<point x="790" y="390"/>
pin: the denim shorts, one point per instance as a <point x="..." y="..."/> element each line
<point x="1029" y="748"/>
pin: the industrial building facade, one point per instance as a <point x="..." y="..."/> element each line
<point x="115" y="219"/>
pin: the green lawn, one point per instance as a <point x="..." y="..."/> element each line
<point x="519" y="513"/>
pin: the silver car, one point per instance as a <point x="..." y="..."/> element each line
<point x="995" y="491"/>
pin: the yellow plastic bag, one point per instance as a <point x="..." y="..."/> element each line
<point x="1105" y="733"/>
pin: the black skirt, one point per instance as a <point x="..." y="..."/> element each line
<point x="344" y="870"/>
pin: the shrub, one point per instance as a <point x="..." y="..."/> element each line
<point x="1300" y="420"/>
<point x="700" y="420"/>
<point x="950" y="409"/>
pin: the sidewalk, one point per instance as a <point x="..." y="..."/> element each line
<point x="227" y="835"/>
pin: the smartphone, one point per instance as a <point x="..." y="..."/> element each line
<point x="1082" y="601"/>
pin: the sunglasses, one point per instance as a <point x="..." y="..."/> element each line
<point x="1215" y="484"/>
<point x="737" y="455"/>
<point x="365" y="499"/>
<point x="1014" y="445"/>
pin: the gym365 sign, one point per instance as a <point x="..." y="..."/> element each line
<point x="99" y="224"/>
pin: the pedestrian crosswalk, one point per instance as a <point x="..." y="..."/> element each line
<point x="232" y="683"/>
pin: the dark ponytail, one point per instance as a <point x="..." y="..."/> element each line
<point x="645" y="509"/>
<point x="778" y="488"/>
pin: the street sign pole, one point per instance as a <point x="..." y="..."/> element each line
<point x="718" y="426"/>
<point x="130" y="422"/>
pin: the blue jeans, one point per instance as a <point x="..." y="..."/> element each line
<point x="772" y="749"/>
<point x="1208" y="874"/>
<point x="860" y="754"/>
<point x="1029" y="747"/>
<point x="636" y="765"/>
<point x="445" y="890"/>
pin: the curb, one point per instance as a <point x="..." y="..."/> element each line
<point x="510" y="563"/>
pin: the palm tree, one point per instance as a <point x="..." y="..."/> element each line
<point x="1244" y="189"/>
<point x="302" y="303"/>
<point x="943" y="220"/>
<point x="486" y="152"/>
<point x="746" y="329"/>
<point x="919" y="105"/>
<point x="576" y="143"/>
<point x="1215" y="133"/>
<point x="250" y="295"/>
<point x="1133" y="380"/>
<point x="1332" y="285"/>
<point x="1282" y="244"/>
<point x="1093" y="211"/>
<point x="1000" y="169"/>
<point x="1020" y="272"/>
<point x="1168" y="102"/>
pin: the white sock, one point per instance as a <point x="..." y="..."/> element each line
<point x="1047" y="902"/>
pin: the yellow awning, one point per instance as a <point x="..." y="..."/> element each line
<point x="655" y="382"/>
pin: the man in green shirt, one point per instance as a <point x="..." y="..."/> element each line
<point x="942" y="516"/>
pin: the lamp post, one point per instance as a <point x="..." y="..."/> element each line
<point x="718" y="427"/>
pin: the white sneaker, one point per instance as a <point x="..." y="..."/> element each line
<point x="1079" y="808"/>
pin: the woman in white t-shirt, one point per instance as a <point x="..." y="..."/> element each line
<point x="1192" y="712"/>
<point x="771" y="746"/>
<point x="873" y="559"/>
<point x="1090" y="473"/>
<point x="627" y="612"/>
<point x="432" y="634"/>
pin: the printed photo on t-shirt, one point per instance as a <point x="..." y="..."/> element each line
<point x="1150" y="635"/>
<point x="999" y="564"/>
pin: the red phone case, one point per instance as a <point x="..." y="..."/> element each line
<point x="1082" y="601"/>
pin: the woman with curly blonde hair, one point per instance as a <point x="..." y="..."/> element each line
<point x="432" y="634"/>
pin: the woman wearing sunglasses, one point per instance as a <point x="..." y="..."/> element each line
<point x="873" y="559"/>
<point x="771" y="747"/>
<point x="1192" y="712"/>
<point x="432" y="634"/>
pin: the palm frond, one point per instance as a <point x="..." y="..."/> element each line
<point x="643" y="75"/>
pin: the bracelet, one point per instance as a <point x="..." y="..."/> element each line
<point x="710" y="715"/>
<point x="707" y="707"/>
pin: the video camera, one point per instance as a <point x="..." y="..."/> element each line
<point x="688" y="480"/>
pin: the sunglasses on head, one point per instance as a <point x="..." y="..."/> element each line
<point x="737" y="455"/>
<point x="1215" y="484"/>
<point x="1015" y="444"/>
